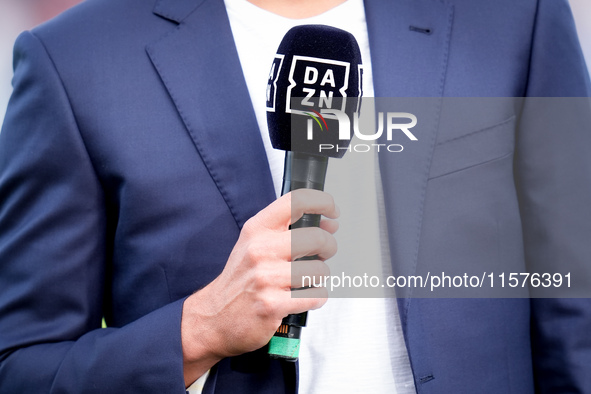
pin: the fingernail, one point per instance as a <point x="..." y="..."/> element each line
<point x="338" y="210"/>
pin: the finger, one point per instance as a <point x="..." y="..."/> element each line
<point x="308" y="299"/>
<point x="329" y="225"/>
<point x="311" y="273"/>
<point x="312" y="202"/>
<point x="288" y="208"/>
<point x="300" y="242"/>
<point x="311" y="241"/>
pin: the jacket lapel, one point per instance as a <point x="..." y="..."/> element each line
<point x="409" y="41"/>
<point x="199" y="66"/>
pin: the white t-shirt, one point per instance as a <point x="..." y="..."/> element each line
<point x="351" y="345"/>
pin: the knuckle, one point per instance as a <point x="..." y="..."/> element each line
<point x="332" y="244"/>
<point x="250" y="226"/>
<point x="324" y="269"/>
<point x="294" y="198"/>
<point x="322" y="238"/>
<point x="267" y="308"/>
<point x="317" y="236"/>
<point x="262" y="279"/>
<point x="321" y="301"/>
<point x="322" y="298"/>
<point x="256" y="252"/>
<point x="288" y="197"/>
<point x="330" y="200"/>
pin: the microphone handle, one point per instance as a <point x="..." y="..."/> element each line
<point x="302" y="171"/>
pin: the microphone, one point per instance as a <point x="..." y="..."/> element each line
<point x="314" y="87"/>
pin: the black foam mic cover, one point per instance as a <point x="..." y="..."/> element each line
<point x="316" y="71"/>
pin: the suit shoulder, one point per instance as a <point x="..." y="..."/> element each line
<point x="94" y="24"/>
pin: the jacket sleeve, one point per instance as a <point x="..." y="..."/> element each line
<point x="54" y="254"/>
<point x="553" y="175"/>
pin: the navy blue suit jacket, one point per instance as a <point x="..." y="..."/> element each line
<point x="130" y="158"/>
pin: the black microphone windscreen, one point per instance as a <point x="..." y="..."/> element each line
<point x="316" y="77"/>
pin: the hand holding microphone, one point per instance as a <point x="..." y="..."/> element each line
<point x="241" y="309"/>
<point x="317" y="70"/>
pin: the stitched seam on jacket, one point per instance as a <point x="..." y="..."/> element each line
<point x="433" y="143"/>
<point x="191" y="130"/>
<point x="474" y="165"/>
<point x="490" y="128"/>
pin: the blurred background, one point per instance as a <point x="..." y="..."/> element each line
<point x="15" y="17"/>
<point x="19" y="15"/>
